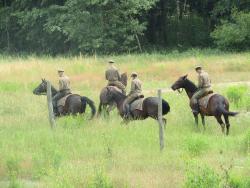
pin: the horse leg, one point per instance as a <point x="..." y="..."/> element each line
<point x="99" y="109"/>
<point x="196" y="119"/>
<point x="227" y="123"/>
<point x="203" y="121"/>
<point x="219" y="120"/>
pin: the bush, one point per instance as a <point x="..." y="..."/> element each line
<point x="246" y="102"/>
<point x="196" y="145"/>
<point x="246" y="143"/>
<point x="13" y="169"/>
<point x="234" y="34"/>
<point x="100" y="181"/>
<point x="203" y="177"/>
<point x="235" y="94"/>
<point x="239" y="182"/>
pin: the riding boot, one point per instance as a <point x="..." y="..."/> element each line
<point x="127" y="111"/>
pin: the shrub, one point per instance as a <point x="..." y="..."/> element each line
<point x="235" y="94"/>
<point x="233" y="34"/>
<point x="246" y="143"/>
<point x="13" y="169"/>
<point x="100" y="181"/>
<point x="239" y="182"/>
<point x="246" y="102"/>
<point x="203" y="177"/>
<point x="196" y="145"/>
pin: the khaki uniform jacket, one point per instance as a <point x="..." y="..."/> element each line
<point x="136" y="87"/>
<point x="112" y="74"/>
<point x="64" y="83"/>
<point x="204" y="80"/>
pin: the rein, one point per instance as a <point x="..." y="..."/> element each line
<point x="180" y="90"/>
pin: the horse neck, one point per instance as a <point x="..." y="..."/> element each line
<point x="190" y="88"/>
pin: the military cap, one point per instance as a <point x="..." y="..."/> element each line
<point x="60" y="70"/>
<point x="198" y="67"/>
<point x="111" y="61"/>
<point x="133" y="74"/>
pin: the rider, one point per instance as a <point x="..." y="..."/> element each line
<point x="113" y="76"/>
<point x="64" y="88"/>
<point x="135" y="92"/>
<point x="204" y="86"/>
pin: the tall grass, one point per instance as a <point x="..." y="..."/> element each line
<point x="102" y="152"/>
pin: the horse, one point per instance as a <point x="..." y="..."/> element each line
<point x="74" y="103"/>
<point x="217" y="106"/>
<point x="149" y="106"/>
<point x="106" y="104"/>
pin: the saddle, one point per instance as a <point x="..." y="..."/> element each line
<point x="113" y="86"/>
<point x="137" y="103"/>
<point x="203" y="101"/>
<point x="61" y="101"/>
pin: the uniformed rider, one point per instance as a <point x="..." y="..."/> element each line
<point x="113" y="77"/>
<point x="135" y="93"/>
<point x="204" y="87"/>
<point x="64" y="88"/>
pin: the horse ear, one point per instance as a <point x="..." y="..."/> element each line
<point x="185" y="77"/>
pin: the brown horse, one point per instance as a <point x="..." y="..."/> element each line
<point x="106" y="104"/>
<point x="218" y="105"/>
<point x="74" y="104"/>
<point x="149" y="106"/>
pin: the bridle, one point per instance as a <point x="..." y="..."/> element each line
<point x="180" y="90"/>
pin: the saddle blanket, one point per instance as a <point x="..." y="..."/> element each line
<point x="137" y="104"/>
<point x="61" y="102"/>
<point x="203" y="102"/>
<point x="116" y="88"/>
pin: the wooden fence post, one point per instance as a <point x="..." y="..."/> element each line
<point x="161" y="130"/>
<point x="50" y="106"/>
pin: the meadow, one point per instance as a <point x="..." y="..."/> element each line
<point x="105" y="153"/>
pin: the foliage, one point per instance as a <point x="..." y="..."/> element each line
<point x="234" y="34"/>
<point x="13" y="169"/>
<point x="201" y="176"/>
<point x="195" y="145"/>
<point x="100" y="181"/>
<point x="236" y="93"/>
<point x="111" y="27"/>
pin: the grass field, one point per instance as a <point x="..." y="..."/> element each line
<point x="102" y="152"/>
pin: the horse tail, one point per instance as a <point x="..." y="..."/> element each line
<point x="226" y="112"/>
<point x="165" y="107"/>
<point x="91" y="105"/>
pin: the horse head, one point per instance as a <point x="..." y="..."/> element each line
<point x="180" y="83"/>
<point x="41" y="89"/>
<point x="124" y="79"/>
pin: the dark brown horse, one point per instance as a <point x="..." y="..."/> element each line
<point x="105" y="104"/>
<point x="149" y="106"/>
<point x="74" y="104"/>
<point x="218" y="105"/>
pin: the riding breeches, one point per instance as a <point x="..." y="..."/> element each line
<point x="118" y="84"/>
<point x="58" y="96"/>
<point x="200" y="93"/>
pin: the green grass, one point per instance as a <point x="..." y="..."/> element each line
<point x="102" y="152"/>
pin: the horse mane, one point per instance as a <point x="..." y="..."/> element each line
<point x="190" y="86"/>
<point x="53" y="89"/>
